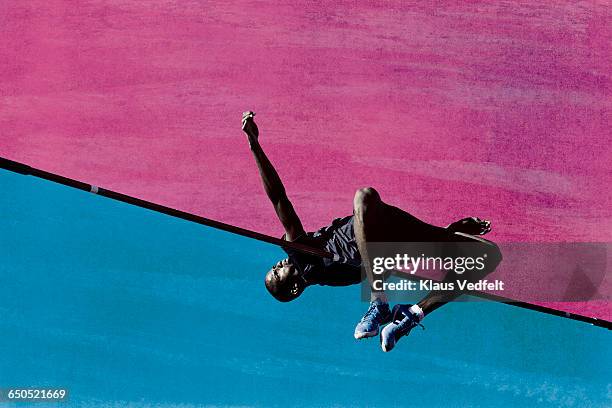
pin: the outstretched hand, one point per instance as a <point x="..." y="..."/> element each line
<point x="249" y="127"/>
<point x="471" y="225"/>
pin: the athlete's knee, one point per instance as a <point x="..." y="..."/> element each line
<point x="365" y="198"/>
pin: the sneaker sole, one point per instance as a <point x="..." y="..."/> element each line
<point x="382" y="344"/>
<point x="366" y="335"/>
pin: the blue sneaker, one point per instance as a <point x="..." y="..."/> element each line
<point x="402" y="322"/>
<point x="378" y="313"/>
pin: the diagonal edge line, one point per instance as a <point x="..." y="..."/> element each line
<point x="26" y="170"/>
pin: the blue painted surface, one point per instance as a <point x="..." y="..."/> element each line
<point x="120" y="304"/>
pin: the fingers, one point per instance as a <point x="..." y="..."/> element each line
<point x="245" y="118"/>
<point x="247" y="115"/>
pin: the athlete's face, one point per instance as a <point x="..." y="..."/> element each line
<point x="284" y="281"/>
<point x="284" y="270"/>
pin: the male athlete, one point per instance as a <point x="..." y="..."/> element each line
<point x="372" y="221"/>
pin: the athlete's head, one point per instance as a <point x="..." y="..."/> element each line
<point x="284" y="281"/>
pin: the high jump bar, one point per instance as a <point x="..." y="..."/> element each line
<point x="26" y="170"/>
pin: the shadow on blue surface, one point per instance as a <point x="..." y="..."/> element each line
<point x="120" y="304"/>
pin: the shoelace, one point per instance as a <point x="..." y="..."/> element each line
<point x="410" y="322"/>
<point x="370" y="314"/>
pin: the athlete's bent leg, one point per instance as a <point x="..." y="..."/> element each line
<point x="376" y="221"/>
<point x="368" y="209"/>
<point x="406" y="317"/>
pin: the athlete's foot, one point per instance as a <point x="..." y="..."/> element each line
<point x="402" y="322"/>
<point x="378" y="314"/>
<point x="471" y="225"/>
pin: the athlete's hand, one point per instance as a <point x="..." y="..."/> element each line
<point x="471" y="225"/>
<point x="249" y="127"/>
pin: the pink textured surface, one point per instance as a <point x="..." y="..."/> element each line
<point x="494" y="109"/>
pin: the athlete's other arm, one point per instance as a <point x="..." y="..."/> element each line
<point x="271" y="181"/>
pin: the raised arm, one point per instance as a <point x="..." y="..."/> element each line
<point x="271" y="181"/>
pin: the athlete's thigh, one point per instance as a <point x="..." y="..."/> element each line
<point x="466" y="245"/>
<point x="401" y="226"/>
